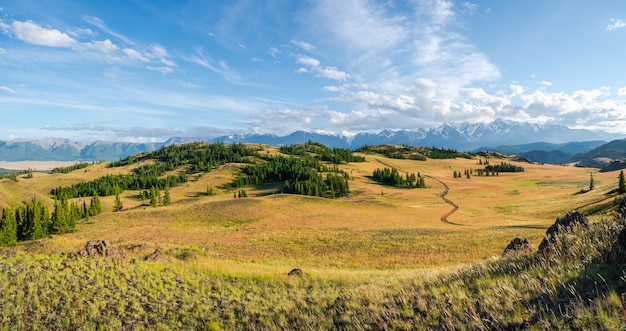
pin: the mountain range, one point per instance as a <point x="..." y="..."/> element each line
<point x="554" y="142"/>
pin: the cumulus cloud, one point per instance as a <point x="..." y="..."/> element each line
<point x="615" y="24"/>
<point x="32" y="33"/>
<point x="621" y="91"/>
<point x="314" y="65"/>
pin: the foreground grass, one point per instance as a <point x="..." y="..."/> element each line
<point x="572" y="286"/>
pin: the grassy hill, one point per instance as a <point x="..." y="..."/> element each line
<point x="378" y="258"/>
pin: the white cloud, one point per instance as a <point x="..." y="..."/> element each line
<point x="105" y="46"/>
<point x="99" y="23"/>
<point x="273" y="51"/>
<point x="163" y="70"/>
<point x="325" y="72"/>
<point x="32" y="33"/>
<point x="304" y="45"/>
<point x="621" y="91"/>
<point x="135" y="55"/>
<point x="308" y="61"/>
<point x="333" y="73"/>
<point x="5" y="89"/>
<point x="616" y="24"/>
<point x="2" y="51"/>
<point x="545" y="83"/>
<point x="158" y="51"/>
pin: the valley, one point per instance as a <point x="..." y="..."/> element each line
<point x="217" y="256"/>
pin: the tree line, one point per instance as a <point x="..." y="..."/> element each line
<point x="68" y="169"/>
<point x="335" y="155"/>
<point x="33" y="220"/>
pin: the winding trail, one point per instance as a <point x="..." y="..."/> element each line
<point x="441" y="195"/>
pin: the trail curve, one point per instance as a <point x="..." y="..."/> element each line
<point x="441" y="195"/>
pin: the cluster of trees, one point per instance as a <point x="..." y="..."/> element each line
<point x="391" y="176"/>
<point x="198" y="157"/>
<point x="467" y="173"/>
<point x="12" y="176"/>
<point x="394" y="152"/>
<point x="414" y="152"/>
<point x="333" y="186"/>
<point x="201" y="157"/>
<point x="301" y="175"/>
<point x="321" y="152"/>
<point x="113" y="184"/>
<point x="444" y="153"/>
<point x="494" y="170"/>
<point x="33" y="220"/>
<point x="68" y="169"/>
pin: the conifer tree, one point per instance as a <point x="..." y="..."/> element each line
<point x="8" y="228"/>
<point x="96" y="205"/>
<point x="118" y="203"/>
<point x="621" y="186"/>
<point x="166" y="197"/>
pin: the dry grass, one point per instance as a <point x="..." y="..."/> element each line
<point x="375" y="228"/>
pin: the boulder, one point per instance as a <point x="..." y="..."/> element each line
<point x="296" y="273"/>
<point x="101" y="248"/>
<point x="516" y="245"/>
<point x="563" y="225"/>
<point x="155" y="256"/>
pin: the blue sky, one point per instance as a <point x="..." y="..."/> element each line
<point x="149" y="70"/>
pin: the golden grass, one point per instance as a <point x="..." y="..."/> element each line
<point x="377" y="229"/>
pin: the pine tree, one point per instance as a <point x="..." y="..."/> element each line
<point x="591" y="183"/>
<point x="8" y="228"/>
<point x="621" y="186"/>
<point x="118" y="203"/>
<point x="96" y="205"/>
<point x="166" y="198"/>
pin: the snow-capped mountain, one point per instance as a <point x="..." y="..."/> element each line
<point x="460" y="136"/>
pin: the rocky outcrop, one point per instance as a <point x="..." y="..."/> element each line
<point x="562" y="225"/>
<point x="516" y="245"/>
<point x="101" y="248"/>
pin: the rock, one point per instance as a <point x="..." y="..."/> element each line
<point x="563" y="225"/>
<point x="516" y="245"/>
<point x="155" y="256"/>
<point x="101" y="248"/>
<point x="295" y="272"/>
<point x="618" y="251"/>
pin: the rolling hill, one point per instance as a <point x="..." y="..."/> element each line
<point x="382" y="256"/>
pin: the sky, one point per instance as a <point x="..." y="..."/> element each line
<point x="149" y="70"/>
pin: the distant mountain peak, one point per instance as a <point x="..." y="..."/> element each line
<point x="461" y="136"/>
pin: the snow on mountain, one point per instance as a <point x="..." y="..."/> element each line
<point x="460" y="136"/>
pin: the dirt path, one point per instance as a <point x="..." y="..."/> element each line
<point x="442" y="195"/>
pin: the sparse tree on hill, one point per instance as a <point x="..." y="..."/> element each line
<point x="118" y="203"/>
<point x="591" y="183"/>
<point x="621" y="186"/>
<point x="166" y="198"/>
